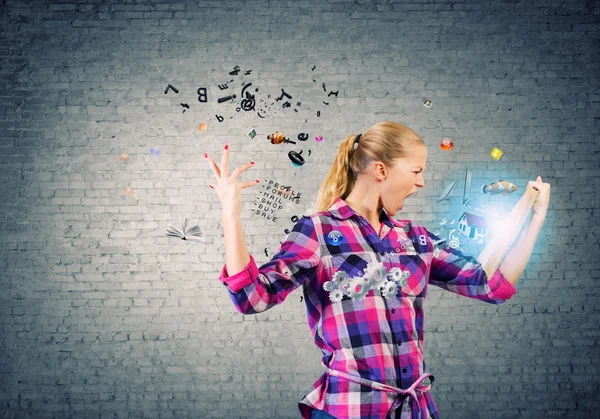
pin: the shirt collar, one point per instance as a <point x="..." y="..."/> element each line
<point x="341" y="210"/>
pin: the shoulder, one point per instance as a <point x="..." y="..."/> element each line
<point x="321" y="218"/>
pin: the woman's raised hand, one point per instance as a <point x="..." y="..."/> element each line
<point x="229" y="189"/>
<point x="540" y="206"/>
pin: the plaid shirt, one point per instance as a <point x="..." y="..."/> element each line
<point x="364" y="295"/>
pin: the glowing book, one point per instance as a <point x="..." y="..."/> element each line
<point x="495" y="251"/>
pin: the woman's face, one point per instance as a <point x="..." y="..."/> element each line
<point x="404" y="179"/>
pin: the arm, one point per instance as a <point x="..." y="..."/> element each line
<point x="516" y="259"/>
<point x="256" y="289"/>
<point x="236" y="252"/>
<point x="462" y="274"/>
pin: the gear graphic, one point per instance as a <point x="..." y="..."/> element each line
<point x="395" y="274"/>
<point x="336" y="296"/>
<point x="340" y="278"/>
<point x="330" y="286"/>
<point x="358" y="288"/>
<point x="399" y="276"/>
<point x="376" y="274"/>
<point x="389" y="290"/>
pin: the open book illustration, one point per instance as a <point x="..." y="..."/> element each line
<point x="186" y="232"/>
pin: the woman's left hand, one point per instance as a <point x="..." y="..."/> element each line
<point x="540" y="206"/>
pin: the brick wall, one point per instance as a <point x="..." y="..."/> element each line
<point x="102" y="316"/>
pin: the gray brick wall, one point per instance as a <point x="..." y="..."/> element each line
<point x="102" y="316"/>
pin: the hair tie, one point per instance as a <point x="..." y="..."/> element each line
<point x="356" y="140"/>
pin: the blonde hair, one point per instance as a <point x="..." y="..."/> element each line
<point x="385" y="142"/>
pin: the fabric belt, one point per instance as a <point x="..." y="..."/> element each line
<point x="411" y="391"/>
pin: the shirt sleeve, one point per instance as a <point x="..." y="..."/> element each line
<point x="257" y="289"/>
<point x="464" y="275"/>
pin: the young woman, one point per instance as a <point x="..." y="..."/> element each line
<point x="364" y="275"/>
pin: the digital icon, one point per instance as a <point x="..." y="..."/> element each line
<point x="319" y="139"/>
<point x="252" y="134"/>
<point x="446" y="192"/>
<point x="128" y="191"/>
<point x="124" y="157"/>
<point x="446" y="144"/>
<point x="474" y="204"/>
<point x="335" y="238"/>
<point x="454" y="243"/>
<point x="427" y="103"/>
<point x="502" y="186"/>
<point x="302" y="136"/>
<point x="202" y="127"/>
<point x="278" y="138"/>
<point x="154" y="151"/>
<point x="472" y="226"/>
<point x="296" y="158"/>
<point x="496" y="153"/>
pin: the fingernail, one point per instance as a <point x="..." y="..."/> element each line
<point x="211" y="186"/>
<point x="256" y="180"/>
<point x="251" y="162"/>
<point x="205" y="155"/>
<point x="226" y="146"/>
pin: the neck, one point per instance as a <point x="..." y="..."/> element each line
<point x="364" y="199"/>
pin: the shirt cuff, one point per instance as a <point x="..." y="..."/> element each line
<point x="240" y="280"/>
<point x="500" y="286"/>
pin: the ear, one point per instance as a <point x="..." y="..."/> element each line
<point x="380" y="170"/>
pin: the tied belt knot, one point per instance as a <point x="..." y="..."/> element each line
<point x="411" y="391"/>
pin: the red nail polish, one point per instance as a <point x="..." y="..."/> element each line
<point x="205" y="155"/>
<point x="256" y="180"/>
<point x="251" y="162"/>
<point x="211" y="186"/>
<point x="226" y="146"/>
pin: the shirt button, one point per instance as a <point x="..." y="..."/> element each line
<point x="404" y="370"/>
<point x="399" y="343"/>
<point x="393" y="310"/>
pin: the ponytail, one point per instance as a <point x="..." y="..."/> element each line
<point x="341" y="177"/>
